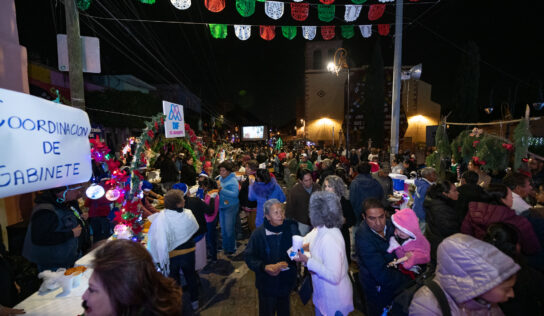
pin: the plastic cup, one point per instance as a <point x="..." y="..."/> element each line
<point x="297" y="242"/>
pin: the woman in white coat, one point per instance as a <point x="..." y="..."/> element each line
<point x="327" y="262"/>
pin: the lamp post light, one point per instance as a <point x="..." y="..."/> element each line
<point x="340" y="62"/>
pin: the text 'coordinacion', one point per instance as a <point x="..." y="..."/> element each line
<point x="47" y="126"/>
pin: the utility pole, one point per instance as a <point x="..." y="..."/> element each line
<point x="397" y="65"/>
<point x="75" y="71"/>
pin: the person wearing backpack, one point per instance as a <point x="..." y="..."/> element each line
<point x="474" y="276"/>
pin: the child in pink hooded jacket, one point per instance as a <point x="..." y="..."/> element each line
<point x="409" y="244"/>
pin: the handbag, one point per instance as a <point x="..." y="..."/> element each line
<point x="305" y="288"/>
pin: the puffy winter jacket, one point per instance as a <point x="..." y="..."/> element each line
<point x="407" y="221"/>
<point x="262" y="192"/>
<point x="481" y="215"/>
<point x="467" y="268"/>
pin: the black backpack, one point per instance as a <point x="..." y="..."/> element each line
<point x="401" y="302"/>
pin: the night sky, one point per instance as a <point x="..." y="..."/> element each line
<point x="267" y="78"/>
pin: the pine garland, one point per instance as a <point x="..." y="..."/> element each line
<point x="522" y="134"/>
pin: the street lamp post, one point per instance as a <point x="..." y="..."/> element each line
<point x="341" y="62"/>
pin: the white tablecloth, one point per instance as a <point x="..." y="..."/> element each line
<point x="70" y="305"/>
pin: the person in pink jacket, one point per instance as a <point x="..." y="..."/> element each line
<point x="409" y="244"/>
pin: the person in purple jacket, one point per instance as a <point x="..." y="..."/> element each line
<point x="263" y="189"/>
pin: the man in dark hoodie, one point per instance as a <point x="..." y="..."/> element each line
<point x="51" y="240"/>
<point x="362" y="188"/>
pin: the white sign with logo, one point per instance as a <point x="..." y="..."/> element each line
<point x="44" y="144"/>
<point x="174" y="125"/>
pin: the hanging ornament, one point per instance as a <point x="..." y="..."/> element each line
<point x="218" y="30"/>
<point x="352" y="12"/>
<point x="308" y="32"/>
<point x="347" y="31"/>
<point x="289" y="32"/>
<point x="83" y="4"/>
<point x="327" y="1"/>
<point x="245" y="7"/>
<point x="243" y="32"/>
<point x="268" y="32"/>
<point x="214" y="6"/>
<point x="122" y="231"/>
<point x="327" y="32"/>
<point x="325" y="13"/>
<point x="273" y="9"/>
<point x="94" y="192"/>
<point x="299" y="11"/>
<point x="181" y="4"/>
<point x="383" y="29"/>
<point x="113" y="194"/>
<point x="358" y="1"/>
<point x="366" y="30"/>
<point x="376" y="11"/>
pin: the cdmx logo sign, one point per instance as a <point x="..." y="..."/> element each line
<point x="175" y="113"/>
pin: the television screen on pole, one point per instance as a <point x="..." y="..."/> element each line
<point x="254" y="132"/>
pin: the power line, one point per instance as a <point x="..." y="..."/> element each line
<point x="118" y="113"/>
<point x="201" y="23"/>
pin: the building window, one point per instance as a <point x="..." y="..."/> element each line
<point x="318" y="60"/>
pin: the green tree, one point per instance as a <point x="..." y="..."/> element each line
<point x="374" y="92"/>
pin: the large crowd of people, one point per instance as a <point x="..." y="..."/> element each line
<point x="477" y="235"/>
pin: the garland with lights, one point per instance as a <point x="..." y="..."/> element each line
<point x="128" y="217"/>
<point x="149" y="140"/>
<point x="124" y="188"/>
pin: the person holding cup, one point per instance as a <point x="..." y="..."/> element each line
<point x="266" y="254"/>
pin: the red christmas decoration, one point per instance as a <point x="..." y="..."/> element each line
<point x="147" y="144"/>
<point x="299" y="11"/>
<point x="150" y="133"/>
<point x="327" y="32"/>
<point x="376" y="11"/>
<point x="475" y="143"/>
<point x="156" y="126"/>
<point x="327" y="1"/>
<point x="507" y="146"/>
<point x="383" y="29"/>
<point x="215" y="5"/>
<point x="268" y="32"/>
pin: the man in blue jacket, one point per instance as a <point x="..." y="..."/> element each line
<point x="380" y="283"/>
<point x="362" y="188"/>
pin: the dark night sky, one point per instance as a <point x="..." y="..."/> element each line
<point x="508" y="34"/>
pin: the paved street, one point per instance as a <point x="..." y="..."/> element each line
<point x="228" y="288"/>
